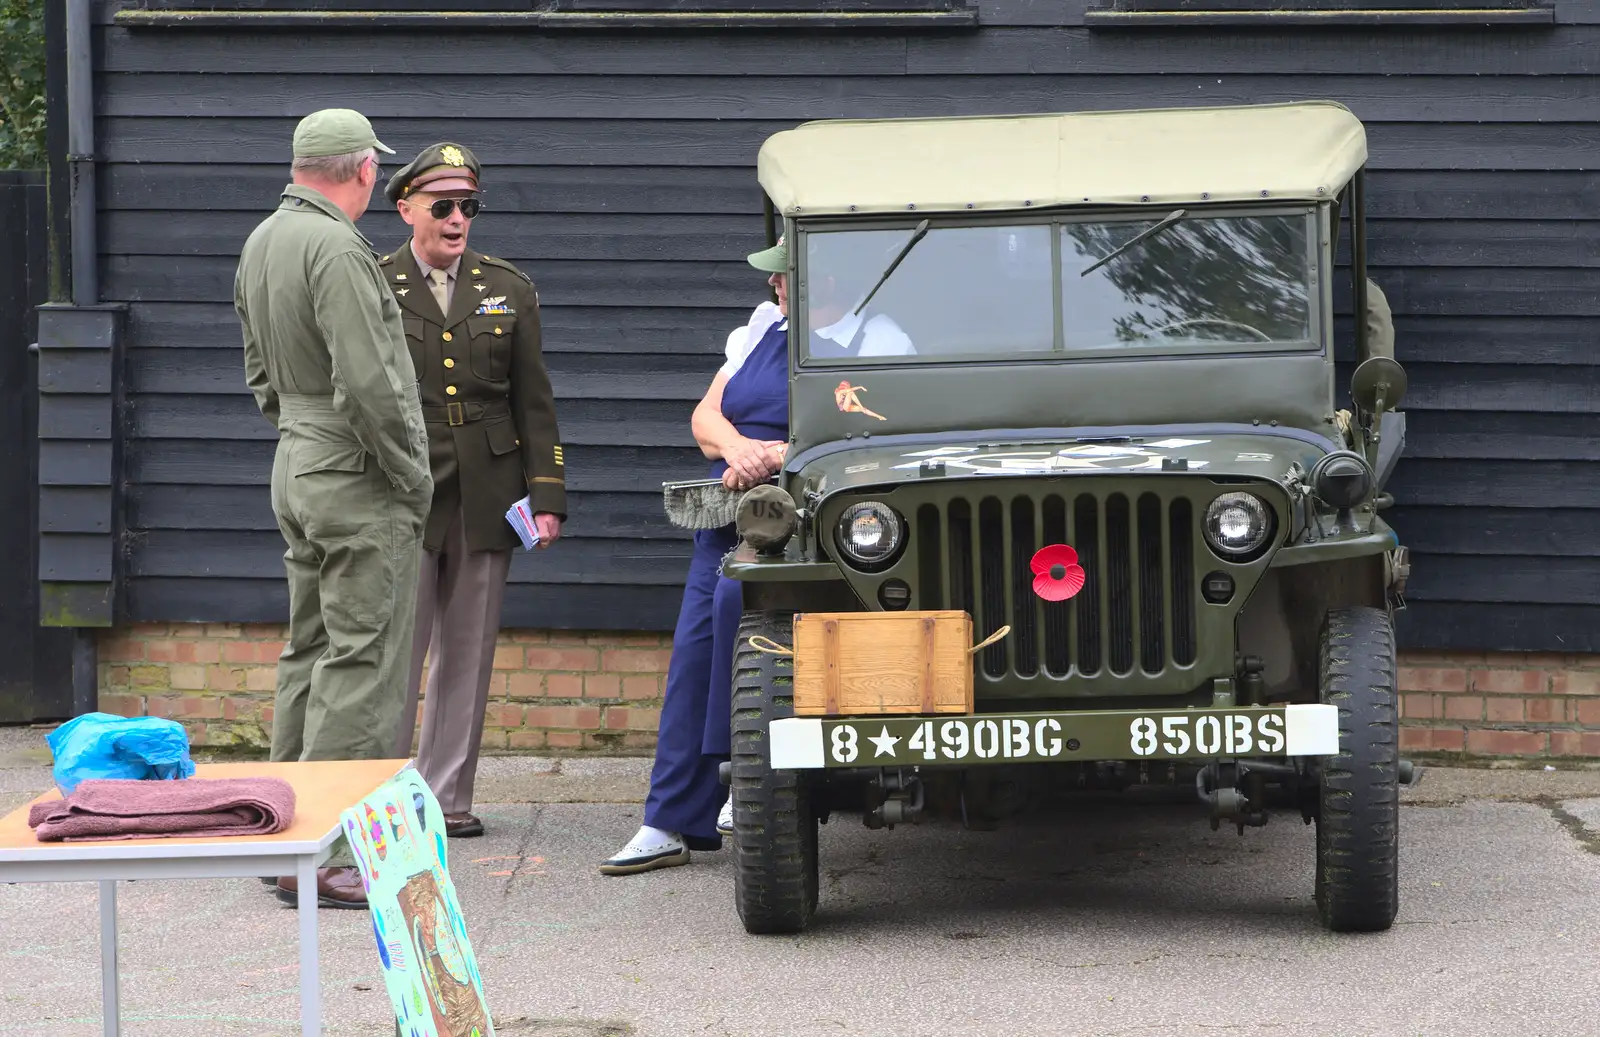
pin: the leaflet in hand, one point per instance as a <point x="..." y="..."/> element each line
<point x="520" y="515"/>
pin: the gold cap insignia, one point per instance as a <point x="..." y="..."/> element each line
<point x="452" y="155"/>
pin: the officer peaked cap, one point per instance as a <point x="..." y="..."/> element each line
<point x="439" y="167"/>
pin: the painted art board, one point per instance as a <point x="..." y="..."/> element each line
<point x="398" y="837"/>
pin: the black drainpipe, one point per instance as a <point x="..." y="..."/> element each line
<point x="84" y="256"/>
<point x="80" y="153"/>
<point x="55" y="146"/>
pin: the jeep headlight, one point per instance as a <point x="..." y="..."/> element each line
<point x="1237" y="524"/>
<point x="870" y="533"/>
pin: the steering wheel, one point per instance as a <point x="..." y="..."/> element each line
<point x="1263" y="336"/>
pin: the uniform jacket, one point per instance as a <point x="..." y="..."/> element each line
<point x="486" y="397"/>
<point x="319" y="320"/>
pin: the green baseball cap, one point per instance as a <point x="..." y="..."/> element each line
<point x="774" y="260"/>
<point x="335" y="131"/>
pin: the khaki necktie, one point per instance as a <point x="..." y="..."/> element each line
<point x="438" y="284"/>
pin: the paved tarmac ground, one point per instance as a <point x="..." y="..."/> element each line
<point x="1092" y="921"/>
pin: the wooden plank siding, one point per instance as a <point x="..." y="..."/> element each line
<point x="619" y="173"/>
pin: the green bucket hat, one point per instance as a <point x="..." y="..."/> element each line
<point x="774" y="260"/>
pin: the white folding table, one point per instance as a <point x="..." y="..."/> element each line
<point x="323" y="789"/>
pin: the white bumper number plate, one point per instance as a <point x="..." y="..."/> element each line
<point x="1299" y="730"/>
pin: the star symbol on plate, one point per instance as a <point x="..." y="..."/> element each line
<point x="885" y="743"/>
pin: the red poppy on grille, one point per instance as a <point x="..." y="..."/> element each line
<point x="1057" y="575"/>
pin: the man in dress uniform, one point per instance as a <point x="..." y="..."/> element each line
<point x="326" y="358"/>
<point x="472" y="322"/>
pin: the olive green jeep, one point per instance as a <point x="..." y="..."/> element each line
<point x="1073" y="376"/>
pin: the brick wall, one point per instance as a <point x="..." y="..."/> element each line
<point x="549" y="690"/>
<point x="603" y="691"/>
<point x="1492" y="704"/>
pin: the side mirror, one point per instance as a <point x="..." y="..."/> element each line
<point x="1378" y="385"/>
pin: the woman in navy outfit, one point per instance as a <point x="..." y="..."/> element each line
<point x="742" y="425"/>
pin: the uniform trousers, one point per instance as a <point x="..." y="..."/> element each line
<point x="459" y="594"/>
<point x="692" y="739"/>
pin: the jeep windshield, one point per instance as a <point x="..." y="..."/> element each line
<point x="1203" y="284"/>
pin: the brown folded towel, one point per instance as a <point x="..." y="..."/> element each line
<point x="186" y="808"/>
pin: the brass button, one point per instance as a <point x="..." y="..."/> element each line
<point x="497" y="331"/>
<point x="449" y="362"/>
<point x="448" y="336"/>
<point x="450" y="390"/>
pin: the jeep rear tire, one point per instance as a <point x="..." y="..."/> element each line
<point x="1358" y="820"/>
<point x="774" y="821"/>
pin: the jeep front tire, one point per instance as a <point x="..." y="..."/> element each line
<point x="1358" y="819"/>
<point x="774" y="822"/>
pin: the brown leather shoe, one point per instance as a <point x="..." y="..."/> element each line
<point x="336" y="887"/>
<point x="460" y="826"/>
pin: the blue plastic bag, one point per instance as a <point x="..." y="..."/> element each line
<point x="102" y="745"/>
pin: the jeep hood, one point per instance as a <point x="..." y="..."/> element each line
<point x="1219" y="450"/>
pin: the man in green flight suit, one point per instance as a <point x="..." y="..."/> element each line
<point x="472" y="322"/>
<point x="325" y="356"/>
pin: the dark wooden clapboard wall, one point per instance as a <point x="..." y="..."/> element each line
<point x="620" y="176"/>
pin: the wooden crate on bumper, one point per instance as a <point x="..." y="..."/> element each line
<point x="884" y="663"/>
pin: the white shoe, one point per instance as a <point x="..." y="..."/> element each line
<point x="649" y="848"/>
<point x="725" y="818"/>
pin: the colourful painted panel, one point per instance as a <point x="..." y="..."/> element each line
<point x="397" y="834"/>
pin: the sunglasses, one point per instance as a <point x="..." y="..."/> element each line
<point x="441" y="207"/>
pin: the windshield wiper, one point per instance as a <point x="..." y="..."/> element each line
<point x="916" y="236"/>
<point x="1172" y="217"/>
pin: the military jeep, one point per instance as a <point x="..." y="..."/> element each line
<point x="1072" y="377"/>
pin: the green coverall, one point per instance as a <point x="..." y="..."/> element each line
<point x="325" y="355"/>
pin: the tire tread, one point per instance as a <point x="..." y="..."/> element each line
<point x="775" y="827"/>
<point x="1358" y="822"/>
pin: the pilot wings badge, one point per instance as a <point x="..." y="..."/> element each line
<point x="492" y="304"/>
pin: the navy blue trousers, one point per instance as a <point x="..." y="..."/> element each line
<point x="693" y="738"/>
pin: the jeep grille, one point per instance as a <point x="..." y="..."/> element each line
<point x="1138" y="602"/>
